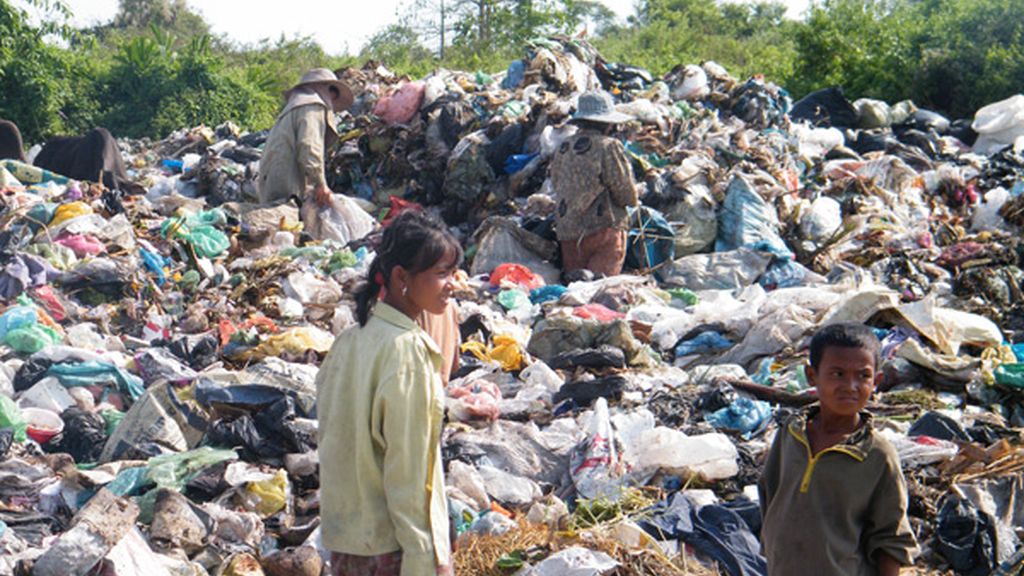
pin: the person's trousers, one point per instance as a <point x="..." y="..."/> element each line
<point x="352" y="565"/>
<point x="601" y="252"/>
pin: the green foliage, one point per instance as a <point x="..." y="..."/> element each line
<point x="749" y="38"/>
<point x="33" y="83"/>
<point x="400" y="47"/>
<point x="155" y="67"/>
<point x="154" y="89"/>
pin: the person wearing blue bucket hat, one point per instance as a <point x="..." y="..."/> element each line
<point x="593" y="184"/>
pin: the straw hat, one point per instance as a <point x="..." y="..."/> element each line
<point x="322" y="77"/>
<point x="598" y="107"/>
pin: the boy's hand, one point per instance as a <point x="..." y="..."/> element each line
<point x="887" y="565"/>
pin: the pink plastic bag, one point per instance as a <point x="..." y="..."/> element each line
<point x="81" y="244"/>
<point x="598" y="312"/>
<point x="477" y="400"/>
<point x="400" y="106"/>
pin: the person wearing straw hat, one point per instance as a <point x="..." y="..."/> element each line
<point x="593" y="184"/>
<point x="293" y="157"/>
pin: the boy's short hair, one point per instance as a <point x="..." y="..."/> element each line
<point x="845" y="335"/>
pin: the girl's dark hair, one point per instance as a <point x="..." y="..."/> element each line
<point x="414" y="241"/>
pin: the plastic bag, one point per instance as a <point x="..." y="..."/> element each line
<point x="651" y="240"/>
<point x="598" y="312"/>
<point x="999" y="124"/>
<point x="692" y="84"/>
<point x="513" y="299"/>
<point x="32" y="338"/>
<point x="400" y="106"/>
<point x="547" y="294"/>
<point x="712" y="456"/>
<point x="966" y="537"/>
<point x="505" y="351"/>
<point x="822" y="220"/>
<point x="268" y="497"/>
<point x="574" y="561"/>
<point x="703" y="343"/>
<point x="594" y="464"/>
<point x="10" y="417"/>
<point x="175" y="470"/>
<point x="746" y="416"/>
<point x="342" y="220"/>
<point x="474" y="400"/>
<point x="826" y="107"/>
<point x="517" y="274"/>
<point x="746" y="220"/>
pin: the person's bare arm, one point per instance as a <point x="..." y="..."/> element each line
<point x="887" y="565"/>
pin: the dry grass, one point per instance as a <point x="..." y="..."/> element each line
<point x="479" y="555"/>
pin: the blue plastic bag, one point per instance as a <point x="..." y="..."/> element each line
<point x="704" y="343"/>
<point x="515" y="75"/>
<point x="547" y="293"/>
<point x="651" y="241"/>
<point x="745" y="219"/>
<point x="155" y="263"/>
<point x="746" y="416"/>
<point x="517" y="162"/>
<point x="92" y="372"/>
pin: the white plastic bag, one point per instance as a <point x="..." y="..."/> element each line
<point x="822" y="220"/>
<point x="341" y="220"/>
<point x="694" y="85"/>
<point x="999" y="124"/>
<point x="574" y="561"/>
<point x="712" y="456"/>
<point x="594" y="465"/>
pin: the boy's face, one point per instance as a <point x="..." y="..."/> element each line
<point x="845" y="379"/>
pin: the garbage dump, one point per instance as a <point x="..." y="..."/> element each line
<point x="159" y="350"/>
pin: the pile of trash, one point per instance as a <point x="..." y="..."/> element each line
<point x="159" y="351"/>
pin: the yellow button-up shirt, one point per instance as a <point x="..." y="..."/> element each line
<point x="380" y="405"/>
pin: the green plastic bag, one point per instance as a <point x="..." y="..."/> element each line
<point x="341" y="259"/>
<point x="512" y="299"/>
<point x="688" y="297"/>
<point x="199" y="231"/>
<point x="113" y="419"/>
<point x="207" y="241"/>
<point x="174" y="471"/>
<point x="10" y="417"/>
<point x="32" y="338"/>
<point x="1011" y="375"/>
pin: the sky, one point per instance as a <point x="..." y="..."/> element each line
<point x="338" y="26"/>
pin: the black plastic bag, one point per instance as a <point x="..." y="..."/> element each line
<point x="85" y="434"/>
<point x="938" y="426"/>
<point x="30" y="373"/>
<point x="827" y="107"/>
<point x="966" y="537"/>
<point x="6" y="439"/>
<point x="595" y="358"/>
<point x="583" y="393"/>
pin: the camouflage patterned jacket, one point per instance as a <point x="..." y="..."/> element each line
<point x="593" y="184"/>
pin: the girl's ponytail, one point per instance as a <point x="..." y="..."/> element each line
<point x="366" y="295"/>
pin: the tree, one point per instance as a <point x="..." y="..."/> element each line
<point x="398" y="46"/>
<point x="34" y="77"/>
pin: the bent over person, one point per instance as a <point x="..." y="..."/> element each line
<point x="293" y="157"/>
<point x="593" y="184"/>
